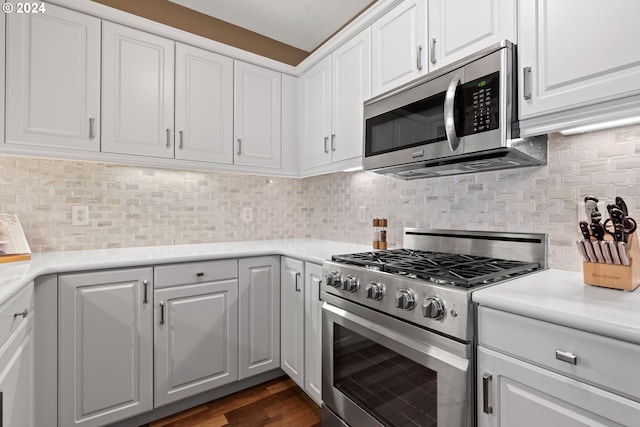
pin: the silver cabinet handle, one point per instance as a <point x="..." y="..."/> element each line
<point x="239" y="147"/>
<point x="168" y="138"/>
<point x="145" y="284"/>
<point x="200" y="274"/>
<point x="433" y="51"/>
<point x="326" y="147"/>
<point x="333" y="142"/>
<point x="297" y="282"/>
<point x="449" y="118"/>
<point x="91" y="134"/>
<point x="319" y="290"/>
<point x="24" y="314"/>
<point x="526" y="82"/>
<point x="181" y="140"/>
<point x="485" y="393"/>
<point x="419" y="58"/>
<point x="565" y="356"/>
<point x="162" y="313"/>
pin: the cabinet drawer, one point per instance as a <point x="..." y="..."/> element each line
<point x="194" y="272"/>
<point x="11" y="312"/>
<point x="601" y="361"/>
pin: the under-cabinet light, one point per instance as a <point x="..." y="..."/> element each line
<point x="602" y="125"/>
<point x="357" y="168"/>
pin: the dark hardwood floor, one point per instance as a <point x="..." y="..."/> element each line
<point x="278" y="402"/>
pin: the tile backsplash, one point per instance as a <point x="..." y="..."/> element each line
<point x="135" y="206"/>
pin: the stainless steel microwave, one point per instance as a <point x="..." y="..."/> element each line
<point x="460" y="119"/>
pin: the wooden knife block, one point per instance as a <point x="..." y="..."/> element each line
<point x="625" y="277"/>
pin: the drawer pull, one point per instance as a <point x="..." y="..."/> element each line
<point x="201" y="274"/>
<point x="565" y="356"/>
<point x="23" y="314"/>
<point x="485" y="394"/>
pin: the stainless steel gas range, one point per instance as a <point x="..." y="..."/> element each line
<point x="398" y="325"/>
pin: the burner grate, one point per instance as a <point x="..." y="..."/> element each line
<point x="460" y="270"/>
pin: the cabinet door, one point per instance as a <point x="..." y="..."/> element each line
<point x="524" y="395"/>
<point x="196" y="347"/>
<point x="399" y="46"/>
<point x="16" y="378"/>
<point x="316" y="115"/>
<point x="259" y="303"/>
<point x="53" y="79"/>
<point x="204" y="105"/>
<point x="292" y="319"/>
<point x="105" y="346"/>
<point x="137" y="92"/>
<point x="257" y="120"/>
<point x="313" y="332"/>
<point x="581" y="63"/>
<point x="351" y="86"/>
<point x="458" y="28"/>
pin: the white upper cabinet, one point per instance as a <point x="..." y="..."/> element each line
<point x="458" y="28"/>
<point x="574" y="53"/>
<point x="316" y="115"/>
<point x="257" y="116"/>
<point x="333" y="93"/>
<point x="53" y="79"/>
<point x="351" y="86"/>
<point x="137" y="92"/>
<point x="399" y="46"/>
<point x="204" y="105"/>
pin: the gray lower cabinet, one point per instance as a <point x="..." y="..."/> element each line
<point x="16" y="360"/>
<point x="292" y="319"/>
<point x="105" y="346"/>
<point x="259" y="304"/>
<point x="313" y="332"/>
<point x="195" y="328"/>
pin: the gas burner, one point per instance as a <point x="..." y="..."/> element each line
<point x="466" y="271"/>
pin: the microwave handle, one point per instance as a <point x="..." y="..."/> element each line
<point x="449" y="118"/>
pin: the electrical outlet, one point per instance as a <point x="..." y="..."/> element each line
<point x="247" y="214"/>
<point x="362" y="214"/>
<point x="79" y="215"/>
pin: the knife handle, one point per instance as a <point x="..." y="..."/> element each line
<point x="584" y="229"/>
<point x="622" y="251"/>
<point x="590" y="253"/>
<point x="597" y="251"/>
<point x="613" y="247"/>
<point x="606" y="252"/>
<point x="582" y="250"/>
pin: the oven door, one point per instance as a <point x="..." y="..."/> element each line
<point x="379" y="371"/>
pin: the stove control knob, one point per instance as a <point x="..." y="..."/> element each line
<point x="406" y="299"/>
<point x="375" y="291"/>
<point x="333" y="279"/>
<point x="433" y="308"/>
<point x="350" y="283"/>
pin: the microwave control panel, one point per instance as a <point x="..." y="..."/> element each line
<point x="481" y="107"/>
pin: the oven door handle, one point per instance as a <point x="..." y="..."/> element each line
<point x="449" y="117"/>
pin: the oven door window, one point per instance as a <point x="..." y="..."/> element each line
<point x="393" y="389"/>
<point x="413" y="125"/>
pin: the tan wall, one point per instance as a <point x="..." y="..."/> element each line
<point x="183" y="18"/>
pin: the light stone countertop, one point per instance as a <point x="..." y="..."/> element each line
<point x="14" y="276"/>
<point x="561" y="297"/>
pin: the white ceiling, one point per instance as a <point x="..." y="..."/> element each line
<point x="300" y="23"/>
